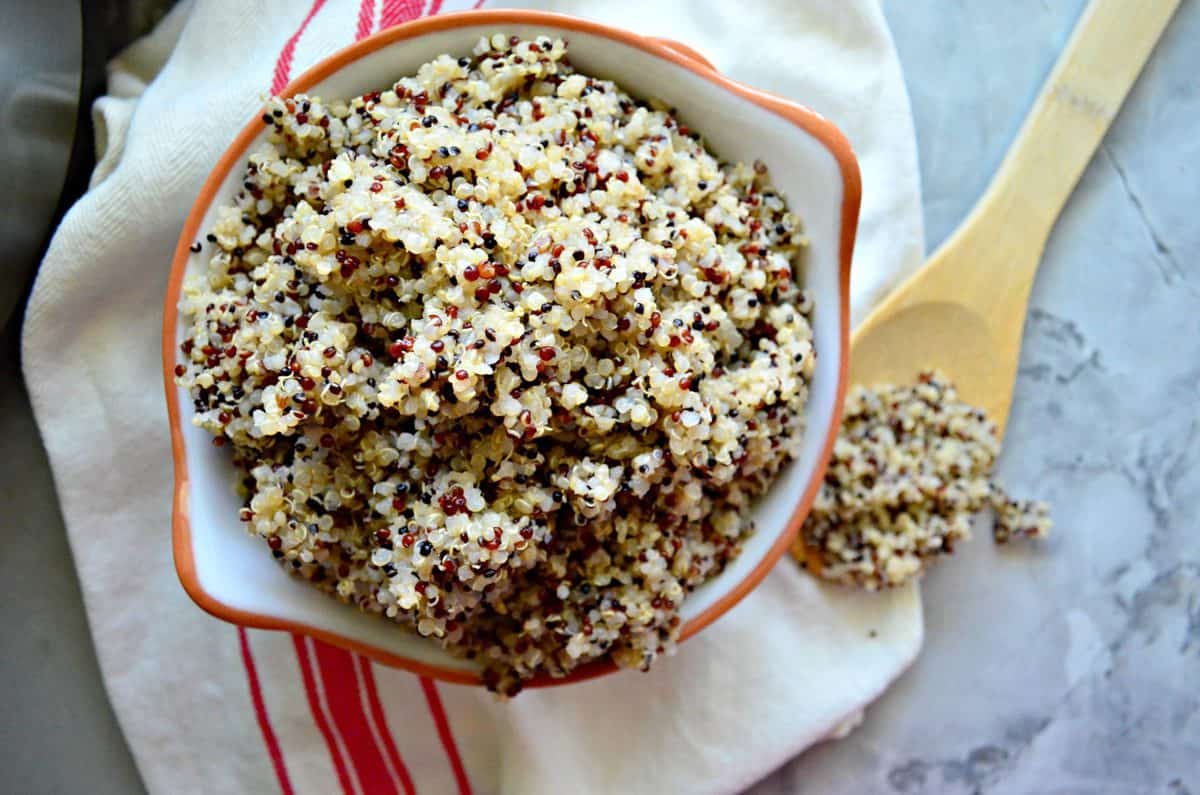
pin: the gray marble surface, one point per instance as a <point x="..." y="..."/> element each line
<point x="1072" y="667"/>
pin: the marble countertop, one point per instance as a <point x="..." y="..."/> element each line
<point x="1067" y="667"/>
<point x="1073" y="667"/>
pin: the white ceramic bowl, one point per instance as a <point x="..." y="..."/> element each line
<point x="229" y="573"/>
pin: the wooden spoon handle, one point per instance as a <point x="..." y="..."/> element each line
<point x="1100" y="63"/>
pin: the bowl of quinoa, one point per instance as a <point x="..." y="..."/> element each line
<point x="523" y="332"/>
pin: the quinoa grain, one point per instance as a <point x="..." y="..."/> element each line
<point x="512" y="356"/>
<point x="911" y="466"/>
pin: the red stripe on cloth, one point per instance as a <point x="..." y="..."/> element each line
<point x="318" y="713"/>
<point x="260" y="713"/>
<point x="447" y="737"/>
<point x="434" y="7"/>
<point x="336" y="668"/>
<point x="478" y="5"/>
<point x="366" y="19"/>
<point x="283" y="65"/>
<point x="381" y="724"/>
<point x="398" y="11"/>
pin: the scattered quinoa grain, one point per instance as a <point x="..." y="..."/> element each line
<point x="911" y="467"/>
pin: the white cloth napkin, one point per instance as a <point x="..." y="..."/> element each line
<point x="209" y="708"/>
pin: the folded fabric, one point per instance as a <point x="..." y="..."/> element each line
<point x="207" y="707"/>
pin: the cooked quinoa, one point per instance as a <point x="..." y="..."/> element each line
<point x="503" y="354"/>
<point x="910" y="469"/>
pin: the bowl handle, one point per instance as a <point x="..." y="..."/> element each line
<point x="688" y="53"/>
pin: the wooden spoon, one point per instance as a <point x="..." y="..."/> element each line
<point x="964" y="310"/>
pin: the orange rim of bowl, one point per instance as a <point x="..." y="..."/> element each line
<point x="681" y="55"/>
